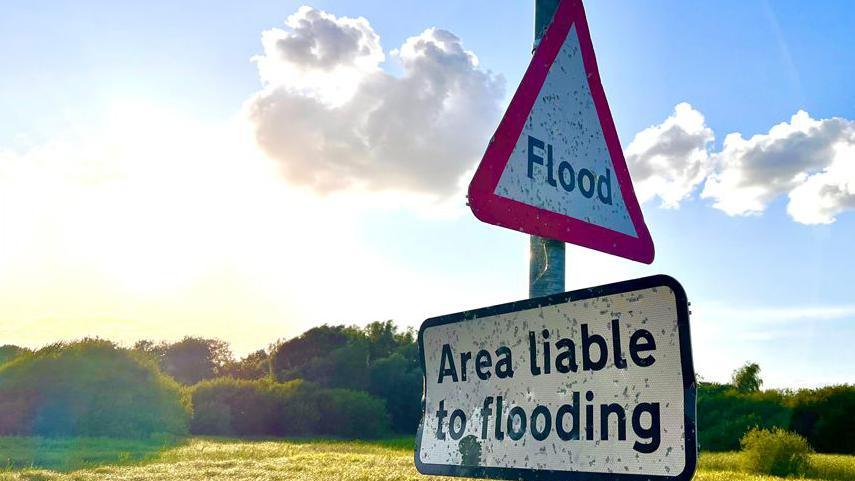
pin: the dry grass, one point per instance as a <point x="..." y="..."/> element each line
<point x="309" y="460"/>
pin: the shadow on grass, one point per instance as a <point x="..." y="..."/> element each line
<point x="398" y="442"/>
<point x="68" y="454"/>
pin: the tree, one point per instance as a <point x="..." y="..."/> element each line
<point x="377" y="358"/>
<point x="189" y="360"/>
<point x="384" y="339"/>
<point x="747" y="378"/>
<point x="381" y="339"/>
<point x="344" y="367"/>
<point x="255" y="365"/>
<point x="824" y="417"/>
<point x="725" y="414"/>
<point x="396" y="381"/>
<point x="289" y="357"/>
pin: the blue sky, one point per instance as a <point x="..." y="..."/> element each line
<point x="763" y="286"/>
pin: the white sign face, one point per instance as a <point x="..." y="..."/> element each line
<point x="561" y="162"/>
<point x="588" y="384"/>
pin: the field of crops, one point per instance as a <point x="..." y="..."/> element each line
<point x="199" y="458"/>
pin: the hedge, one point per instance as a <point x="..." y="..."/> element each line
<point x="230" y="407"/>
<point x="822" y="416"/>
<point x="89" y="388"/>
<point x="826" y="417"/>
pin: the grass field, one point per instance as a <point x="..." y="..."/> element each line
<point x="309" y="460"/>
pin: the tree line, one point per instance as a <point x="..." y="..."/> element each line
<point x="377" y="359"/>
<point x="332" y="380"/>
<point x="728" y="411"/>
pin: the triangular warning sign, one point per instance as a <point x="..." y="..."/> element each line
<point x="555" y="167"/>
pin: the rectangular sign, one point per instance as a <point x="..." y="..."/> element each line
<point x="590" y="384"/>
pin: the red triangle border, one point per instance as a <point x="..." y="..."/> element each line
<point x="504" y="212"/>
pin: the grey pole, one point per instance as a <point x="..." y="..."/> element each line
<point x="546" y="256"/>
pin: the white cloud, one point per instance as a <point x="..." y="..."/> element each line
<point x="812" y="161"/>
<point x="336" y="121"/>
<point x="804" y="158"/>
<point x="822" y="196"/>
<point x="319" y="56"/>
<point x="670" y="159"/>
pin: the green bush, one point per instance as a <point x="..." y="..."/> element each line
<point x="89" y="388"/>
<point x="352" y="414"/>
<point x="776" y="452"/>
<point x="825" y="417"/>
<point x="231" y="407"/>
<point x="298" y="410"/>
<point x="395" y="380"/>
<point x="9" y="352"/>
<point x="725" y="414"/>
<point x="212" y="418"/>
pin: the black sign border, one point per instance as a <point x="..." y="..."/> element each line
<point x="689" y="386"/>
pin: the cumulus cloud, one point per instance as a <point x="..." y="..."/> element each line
<point x="803" y="158"/>
<point x="820" y="197"/>
<point x="671" y="159"/>
<point x="335" y="120"/>
<point x="812" y="161"/>
<point x="319" y="56"/>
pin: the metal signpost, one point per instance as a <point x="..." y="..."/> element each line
<point x="546" y="257"/>
<point x="596" y="384"/>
